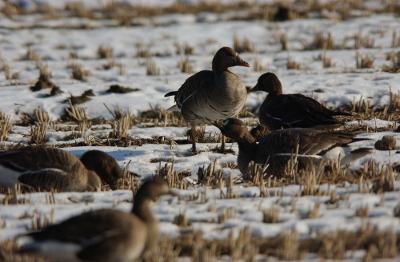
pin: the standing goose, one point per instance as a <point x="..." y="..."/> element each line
<point x="290" y="110"/>
<point x="102" y="235"/>
<point x="212" y="95"/>
<point x="43" y="168"/>
<point x="277" y="147"/>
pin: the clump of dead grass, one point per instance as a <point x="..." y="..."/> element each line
<point x="105" y="52"/>
<point x="258" y="66"/>
<point x="321" y="41"/>
<point x="78" y="72"/>
<point x="183" y="49"/>
<point x="292" y="64"/>
<point x="152" y="68"/>
<point x="185" y="66"/>
<point x="172" y="177"/>
<point x="5" y="126"/>
<point x="364" y="60"/>
<point x="363" y="41"/>
<point x="243" y="45"/>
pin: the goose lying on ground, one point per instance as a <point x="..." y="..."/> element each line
<point x="102" y="235"/>
<point x="44" y="168"/>
<point x="212" y="95"/>
<point x="290" y="110"/>
<point x="279" y="146"/>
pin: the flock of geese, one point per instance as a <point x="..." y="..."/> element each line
<point x="290" y="123"/>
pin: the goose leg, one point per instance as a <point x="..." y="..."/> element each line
<point x="222" y="143"/>
<point x="193" y="137"/>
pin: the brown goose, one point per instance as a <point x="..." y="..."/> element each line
<point x="43" y="168"/>
<point x="290" y="110"/>
<point x="105" y="166"/>
<point x="102" y="235"/>
<point x="278" y="146"/>
<point x="209" y="96"/>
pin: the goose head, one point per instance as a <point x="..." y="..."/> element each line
<point x="236" y="130"/>
<point x="153" y="189"/>
<point x="268" y="82"/>
<point x="227" y="57"/>
<point x="104" y="165"/>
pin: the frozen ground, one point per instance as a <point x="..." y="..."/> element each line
<point x="206" y="209"/>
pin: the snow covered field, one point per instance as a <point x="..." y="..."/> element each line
<point x="154" y="56"/>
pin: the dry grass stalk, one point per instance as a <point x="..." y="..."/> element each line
<point x="243" y="45"/>
<point x="310" y="181"/>
<point x="292" y="64"/>
<point x="105" y="52"/>
<point x="364" y="60"/>
<point x="161" y="117"/>
<point x="78" y="115"/>
<point x="289" y="249"/>
<point x="38" y="133"/>
<point x="121" y="127"/>
<point x="39" y="115"/>
<point x="172" y="177"/>
<point x="185" y="66"/>
<point x="271" y="215"/>
<point x="40" y="220"/>
<point x="284" y="42"/>
<point x="210" y="176"/>
<point x="385" y="181"/>
<point x="361" y="41"/>
<point x="394" y="58"/>
<point x="5" y="126"/>
<point x="362" y="212"/>
<point x="333" y="246"/>
<point x="395" y="40"/>
<point x="322" y="41"/>
<point x="142" y="50"/>
<point x="394" y="101"/>
<point x="8" y="74"/>
<point x="78" y="72"/>
<point x="183" y="49"/>
<point x="151" y="68"/>
<point x="227" y="213"/>
<point x="242" y="247"/>
<point x="361" y="106"/>
<point x="314" y="212"/>
<point x="326" y="60"/>
<point x="258" y="66"/>
<point x="31" y="55"/>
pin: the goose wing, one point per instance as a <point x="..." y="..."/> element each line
<point x="36" y="158"/>
<point x="295" y="110"/>
<point x="46" y="179"/>
<point x="309" y="141"/>
<point x="192" y="85"/>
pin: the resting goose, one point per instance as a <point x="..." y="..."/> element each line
<point x="44" y="168"/>
<point x="102" y="235"/>
<point x="278" y="147"/>
<point x="290" y="110"/>
<point x="212" y="95"/>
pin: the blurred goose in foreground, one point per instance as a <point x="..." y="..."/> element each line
<point x="279" y="146"/>
<point x="102" y="235"/>
<point x="290" y="110"/>
<point x="209" y="96"/>
<point x="43" y="168"/>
